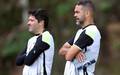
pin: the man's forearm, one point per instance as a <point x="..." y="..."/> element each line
<point x="63" y="51"/>
<point x="20" y="58"/>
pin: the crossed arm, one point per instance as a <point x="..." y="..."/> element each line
<point x="71" y="51"/>
<point x="29" y="59"/>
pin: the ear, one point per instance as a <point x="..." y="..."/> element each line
<point x="87" y="13"/>
<point x="41" y="22"/>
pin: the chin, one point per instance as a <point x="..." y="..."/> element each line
<point x="77" y="23"/>
<point x="30" y="30"/>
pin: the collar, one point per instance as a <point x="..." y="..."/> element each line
<point x="40" y="33"/>
<point x="87" y="26"/>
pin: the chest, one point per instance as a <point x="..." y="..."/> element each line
<point x="31" y="43"/>
<point x="78" y="34"/>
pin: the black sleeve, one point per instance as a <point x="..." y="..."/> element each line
<point x="38" y="48"/>
<point x="84" y="40"/>
<point x="71" y="41"/>
<point x="20" y="58"/>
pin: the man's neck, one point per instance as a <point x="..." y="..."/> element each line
<point x="40" y="31"/>
<point x="86" y="23"/>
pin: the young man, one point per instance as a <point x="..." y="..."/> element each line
<point x="81" y="52"/>
<point x="38" y="55"/>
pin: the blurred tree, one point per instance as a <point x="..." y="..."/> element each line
<point x="13" y="36"/>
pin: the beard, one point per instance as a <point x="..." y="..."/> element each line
<point x="79" y="22"/>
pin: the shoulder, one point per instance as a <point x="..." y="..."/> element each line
<point x="47" y="37"/>
<point x="92" y="31"/>
<point x="46" y="34"/>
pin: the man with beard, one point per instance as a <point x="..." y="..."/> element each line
<point x="81" y="52"/>
<point x="37" y="57"/>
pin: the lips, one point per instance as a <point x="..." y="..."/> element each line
<point x="77" y="18"/>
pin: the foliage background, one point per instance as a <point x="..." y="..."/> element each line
<point x="14" y="34"/>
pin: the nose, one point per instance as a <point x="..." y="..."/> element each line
<point x="74" y="15"/>
<point x="28" y="23"/>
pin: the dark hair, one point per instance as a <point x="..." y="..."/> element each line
<point x="40" y="14"/>
<point x="87" y="3"/>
